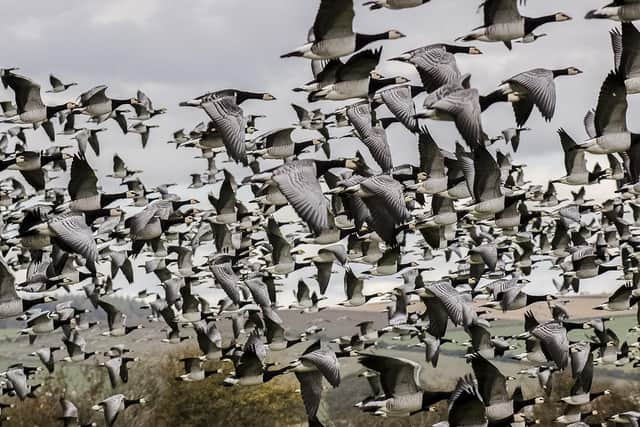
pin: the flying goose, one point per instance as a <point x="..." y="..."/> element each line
<point x="535" y="87"/>
<point x="356" y="79"/>
<point x="117" y="369"/>
<point x="607" y="125"/>
<point x="113" y="405"/>
<point x="575" y="164"/>
<point x="553" y="339"/>
<point x="238" y="96"/>
<point x="45" y="355"/>
<point x="116" y="320"/>
<point x="625" y="42"/>
<point x="394" y="4"/>
<point x="310" y="368"/>
<point x="617" y="10"/>
<point x="400" y="380"/>
<point x="332" y="34"/>
<point x="30" y="107"/>
<point x="436" y="63"/>
<point x="57" y="86"/>
<point x="229" y="120"/>
<point x="98" y="105"/>
<point x="503" y="23"/>
<point x="463" y="108"/>
<point x="11" y="304"/>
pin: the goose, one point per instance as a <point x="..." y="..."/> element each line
<point x="76" y="346"/>
<point x="70" y="417"/>
<point x="436" y="64"/>
<point x="113" y="405"/>
<point x="251" y="368"/>
<point x="238" y="96"/>
<point x="229" y="120"/>
<point x="117" y="369"/>
<point x="354" y="290"/>
<point x="516" y="298"/>
<point x="581" y="393"/>
<point x="70" y="231"/>
<point x="309" y="369"/>
<point x="142" y="129"/>
<point x="492" y="385"/>
<point x="45" y="355"/>
<point x="512" y="136"/>
<point x="144" y="107"/>
<point x="57" y="86"/>
<point x="622" y="298"/>
<point x="275" y="332"/>
<point x="278" y="144"/>
<point x="98" y="105"/>
<point x="488" y="196"/>
<point x="400" y="380"/>
<point x="553" y="339"/>
<point x="298" y="182"/>
<point x="463" y="108"/>
<point x="503" y="23"/>
<point x="458" y="309"/>
<point x="31" y="165"/>
<point x="607" y="125"/>
<point x="535" y="87"/>
<point x="332" y="34"/>
<point x="617" y="10"/>
<point x="624" y="42"/>
<point x="629" y="417"/>
<point x="17" y="375"/>
<point x="88" y="137"/>
<point x="466" y="407"/>
<point x="356" y="79"/>
<point x="30" y="107"/>
<point x="575" y="164"/>
<point x="194" y="370"/>
<point x="399" y="100"/>
<point x="116" y="320"/>
<point x="11" y="304"/>
<point x="82" y="188"/>
<point x="394" y="4"/>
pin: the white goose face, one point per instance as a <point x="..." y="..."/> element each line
<point x="561" y="16"/>
<point x="572" y="71"/>
<point x="395" y="34"/>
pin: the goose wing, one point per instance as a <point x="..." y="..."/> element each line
<point x="630" y="55"/>
<point x="7" y="283"/>
<point x="541" y="90"/>
<point x="390" y="192"/>
<point x="500" y="12"/>
<point x="72" y="230"/>
<point x="466" y="406"/>
<point x="229" y="120"/>
<point x="398" y="376"/>
<point x="464" y="105"/>
<point x="359" y="65"/>
<point x="431" y="158"/>
<point x="436" y="68"/>
<point x="27" y="93"/>
<point x="298" y="183"/>
<point x="311" y="391"/>
<point x="611" y="112"/>
<point x="554" y="342"/>
<point x="334" y="19"/>
<point x="492" y="383"/>
<point x="399" y="101"/>
<point x="486" y="184"/>
<point x="83" y="182"/>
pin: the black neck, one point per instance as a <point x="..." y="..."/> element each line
<point x="166" y="223"/>
<point x="322" y="166"/>
<point x="115" y="103"/>
<point x="560" y="72"/>
<point x="129" y="402"/>
<point x="376" y="84"/>
<point x="456" y="49"/>
<point x="269" y="375"/>
<point x="519" y="404"/>
<point x="299" y="146"/>
<point x="51" y="111"/>
<point x="416" y="90"/>
<point x="364" y="39"/>
<point x="535" y="298"/>
<point x="106" y="199"/>
<point x="492" y="98"/>
<point x="178" y="203"/>
<point x="531" y="24"/>
<point x="243" y="96"/>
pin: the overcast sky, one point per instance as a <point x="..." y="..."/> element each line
<point x="177" y="50"/>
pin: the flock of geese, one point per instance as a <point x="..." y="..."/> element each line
<point x="472" y="205"/>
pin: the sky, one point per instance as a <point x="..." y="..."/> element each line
<point x="175" y="51"/>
